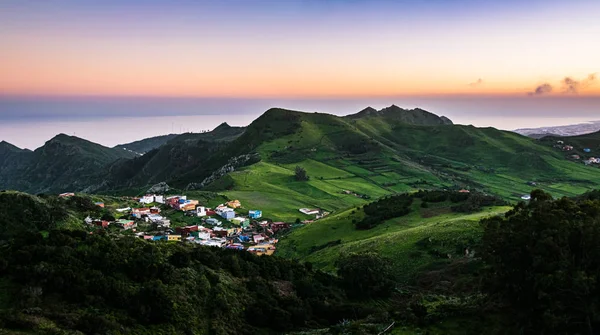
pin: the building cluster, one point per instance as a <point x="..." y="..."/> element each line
<point x="587" y="161"/>
<point x="220" y="227"/>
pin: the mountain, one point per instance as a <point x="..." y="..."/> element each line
<point x="415" y="116"/>
<point x="142" y="146"/>
<point x="177" y="162"/>
<point x="375" y="153"/>
<point x="62" y="164"/>
<point x="567" y="130"/>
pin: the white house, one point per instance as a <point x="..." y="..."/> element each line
<point x="526" y="197"/>
<point x="201" y="211"/>
<point x="159" y="198"/>
<point x="147" y="199"/>
<point x="309" y="211"/>
<point x="121" y="210"/>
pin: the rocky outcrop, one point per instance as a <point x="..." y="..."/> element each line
<point x="233" y="164"/>
<point x="160" y="188"/>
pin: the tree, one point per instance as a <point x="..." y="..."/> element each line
<point x="365" y="275"/>
<point x="544" y="260"/>
<point x="300" y="174"/>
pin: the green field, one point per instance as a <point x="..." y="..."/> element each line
<point x="407" y="240"/>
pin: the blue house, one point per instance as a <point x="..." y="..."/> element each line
<point x="587" y="150"/>
<point x="255" y="214"/>
<point x="227" y="215"/>
<point x="159" y="238"/>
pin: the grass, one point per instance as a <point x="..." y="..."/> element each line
<point x="409" y="241"/>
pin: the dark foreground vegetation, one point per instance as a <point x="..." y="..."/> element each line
<point x="535" y="271"/>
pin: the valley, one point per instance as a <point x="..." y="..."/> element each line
<point x="404" y="189"/>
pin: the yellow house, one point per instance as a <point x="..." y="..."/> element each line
<point x="174" y="237"/>
<point x="234" y="204"/>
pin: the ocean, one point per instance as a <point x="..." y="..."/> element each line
<point x="28" y="122"/>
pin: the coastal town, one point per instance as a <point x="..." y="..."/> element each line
<point x="227" y="225"/>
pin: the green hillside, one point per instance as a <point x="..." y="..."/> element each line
<point x="413" y="242"/>
<point x="177" y="162"/>
<point x="63" y="163"/>
<point x="379" y="153"/>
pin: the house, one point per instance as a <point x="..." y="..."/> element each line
<point x="531" y="183"/>
<point x="234" y="204"/>
<point x="201" y="211"/>
<point x="258" y="238"/>
<point x="244" y="238"/>
<point x="186" y="230"/>
<point x="255" y="214"/>
<point x="154" y="218"/>
<point x="568" y="148"/>
<point x="147" y="199"/>
<point x="159" y="238"/>
<point x="225" y="212"/>
<point x="126" y="224"/>
<point x="235" y="246"/>
<point x="587" y="150"/>
<point x="222" y="233"/>
<point x="464" y="191"/>
<point x="99" y="204"/>
<point x="560" y="142"/>
<point x="276" y="226"/>
<point x="154" y="210"/>
<point x="592" y="160"/>
<point x="121" y="210"/>
<point x="173" y="237"/>
<point x="201" y="235"/>
<point x="526" y="197"/>
<point x="159" y="199"/>
<point x="309" y="211"/>
<point x="575" y="157"/>
<point x="139" y="212"/>
<point x="88" y="220"/>
<point x="147" y="237"/>
<point x="210" y="212"/>
<point x="213" y="222"/>
<point x="66" y="195"/>
<point x="163" y="223"/>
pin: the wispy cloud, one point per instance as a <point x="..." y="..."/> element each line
<point x="541" y="89"/>
<point x="572" y="86"/>
<point x="476" y="83"/>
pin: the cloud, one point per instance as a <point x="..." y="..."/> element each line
<point x="478" y="82"/>
<point x="572" y="86"/>
<point x="542" y="89"/>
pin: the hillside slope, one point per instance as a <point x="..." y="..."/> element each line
<point x="143" y="146"/>
<point x="61" y="164"/>
<point x="372" y="154"/>
<point x="185" y="158"/>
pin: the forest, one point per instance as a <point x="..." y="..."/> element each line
<point x="536" y="270"/>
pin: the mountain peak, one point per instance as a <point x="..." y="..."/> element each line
<point x="416" y="116"/>
<point x="5" y="146"/>
<point x="222" y="126"/>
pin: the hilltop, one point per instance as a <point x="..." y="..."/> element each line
<point x="62" y="163"/>
<point x="372" y="154"/>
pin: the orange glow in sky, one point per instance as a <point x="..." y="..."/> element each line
<point x="99" y="53"/>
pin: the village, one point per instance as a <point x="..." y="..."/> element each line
<point x="569" y="148"/>
<point x="227" y="225"/>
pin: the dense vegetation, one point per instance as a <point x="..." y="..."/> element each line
<point x="384" y="209"/>
<point x="544" y="262"/>
<point x="98" y="284"/>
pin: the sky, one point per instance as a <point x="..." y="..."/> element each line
<point x="509" y="64"/>
<point x="297" y="48"/>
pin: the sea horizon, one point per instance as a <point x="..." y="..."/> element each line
<point x="28" y="122"/>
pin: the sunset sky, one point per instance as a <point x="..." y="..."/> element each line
<point x="299" y="48"/>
